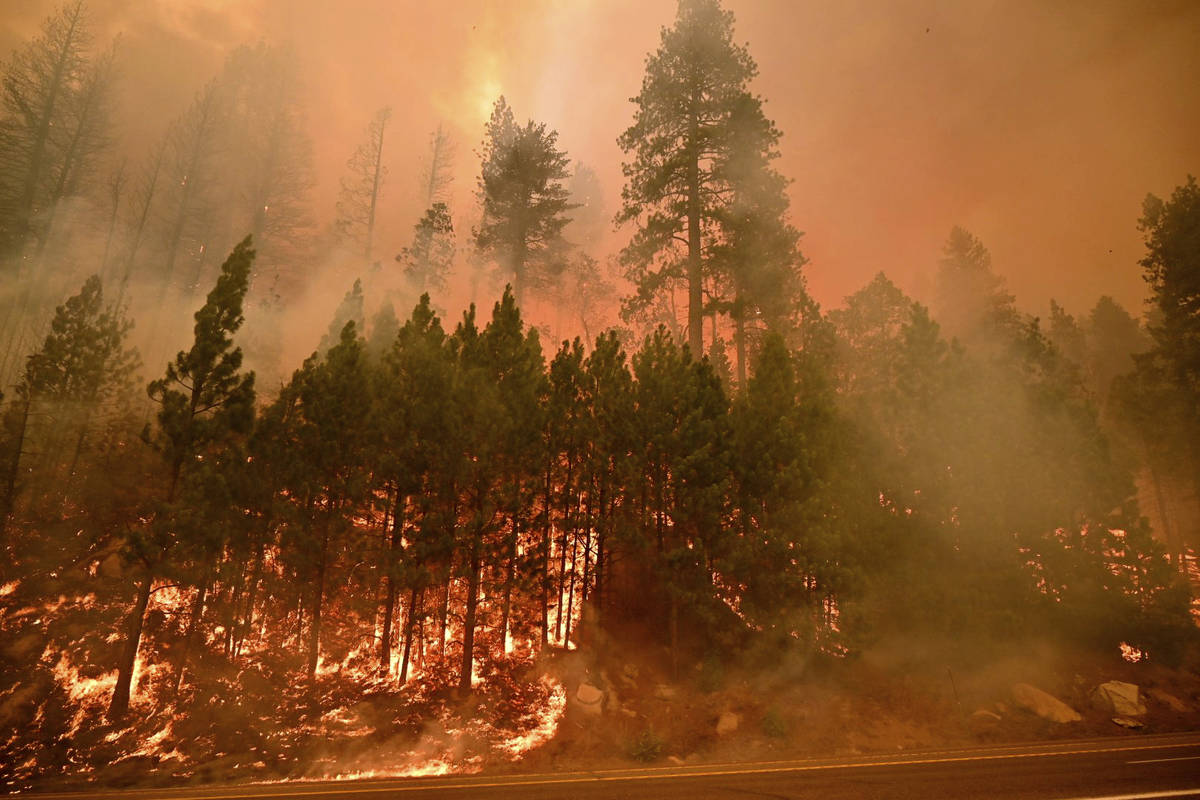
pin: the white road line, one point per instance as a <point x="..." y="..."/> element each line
<point x="1142" y="796"/>
<point x="1156" y="760"/>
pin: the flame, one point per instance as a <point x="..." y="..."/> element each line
<point x="9" y="588"/>
<point x="547" y="722"/>
<point x="88" y="695"/>
<point x="1133" y="654"/>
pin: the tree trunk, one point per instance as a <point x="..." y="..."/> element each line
<point x="194" y="616"/>
<point x="468" y="653"/>
<point x="413" y="600"/>
<point x="247" y="616"/>
<point x="133" y="638"/>
<point x="42" y="130"/>
<point x="389" y="607"/>
<point x="314" y="627"/>
<point x="571" y="593"/>
<point x="695" y="274"/>
<point x="443" y="613"/>
<point x="510" y="551"/>
<point x="375" y="180"/>
<point x="739" y="334"/>
<point x="9" y="502"/>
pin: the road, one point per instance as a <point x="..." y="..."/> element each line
<point x="1126" y="768"/>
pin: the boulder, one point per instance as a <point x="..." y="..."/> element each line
<point x="1169" y="700"/>
<point x="1046" y="706"/>
<point x="590" y="698"/>
<point x="1119" y="698"/>
<point x="727" y="723"/>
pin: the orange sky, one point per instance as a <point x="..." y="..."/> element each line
<point x="1040" y="126"/>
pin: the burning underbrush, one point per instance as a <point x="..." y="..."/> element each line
<point x="226" y="720"/>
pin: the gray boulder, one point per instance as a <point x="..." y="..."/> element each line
<point x="1119" y="699"/>
<point x="727" y="723"/>
<point x="1045" y="705"/>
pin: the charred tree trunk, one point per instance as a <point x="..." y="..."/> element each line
<point x="472" y="607"/>
<point x="9" y="501"/>
<point x="510" y="553"/>
<point x="389" y="605"/>
<point x="414" y="599"/>
<point x="119" y="704"/>
<point x="695" y="273"/>
<point x="314" y="627"/>
<point x="194" y="615"/>
<point x="571" y="593"/>
<point x="247" y="615"/>
<point x="739" y="334"/>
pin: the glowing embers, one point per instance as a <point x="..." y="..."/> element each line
<point x="89" y="695"/>
<point x="509" y="719"/>
<point x="547" y="719"/>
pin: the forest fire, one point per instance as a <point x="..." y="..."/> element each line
<point x="449" y="475"/>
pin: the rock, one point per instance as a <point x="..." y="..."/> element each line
<point x="590" y="698"/>
<point x="1169" y="700"/>
<point x="1119" y="698"/>
<point x="676" y="760"/>
<point x="665" y="692"/>
<point x="1128" y="722"/>
<point x="983" y="715"/>
<point x="1046" y="706"/>
<point x="727" y="723"/>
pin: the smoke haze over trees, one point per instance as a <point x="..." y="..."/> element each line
<point x="292" y="423"/>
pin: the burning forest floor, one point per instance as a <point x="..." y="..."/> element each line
<point x="607" y="704"/>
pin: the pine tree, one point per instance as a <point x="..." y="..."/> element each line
<point x="82" y="365"/>
<point x="191" y="182"/>
<point x="415" y="419"/>
<point x="205" y="400"/>
<point x="524" y="199"/>
<point x="358" y="200"/>
<point x="437" y="174"/>
<point x="267" y="158"/>
<point x="204" y="395"/>
<point x="331" y="426"/>
<point x="1172" y="268"/>
<point x="696" y="126"/>
<point x="428" y="259"/>
<point x="971" y="302"/>
<point x="38" y="87"/>
<point x="349" y="310"/>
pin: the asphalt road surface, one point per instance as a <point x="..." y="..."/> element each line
<point x="1126" y="768"/>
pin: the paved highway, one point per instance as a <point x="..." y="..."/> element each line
<point x="1127" y="768"/>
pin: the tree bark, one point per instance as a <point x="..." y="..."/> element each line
<point x="414" y="599"/>
<point x="468" y="651"/>
<point x="119" y="704"/>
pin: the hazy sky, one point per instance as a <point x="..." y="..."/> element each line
<point x="1039" y="126"/>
